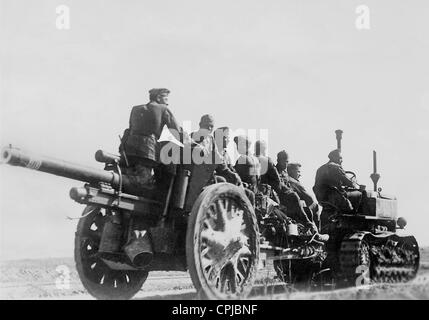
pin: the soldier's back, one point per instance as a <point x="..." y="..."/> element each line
<point x="147" y="119"/>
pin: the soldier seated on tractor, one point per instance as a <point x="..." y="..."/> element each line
<point x="332" y="185"/>
<point x="312" y="208"/>
<point x="212" y="154"/>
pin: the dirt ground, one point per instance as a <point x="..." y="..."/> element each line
<point x="57" y="279"/>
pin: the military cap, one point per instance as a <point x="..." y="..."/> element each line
<point x="282" y="155"/>
<point x="153" y="93"/>
<point x="334" y="154"/>
<point x="207" y="119"/>
<point x="157" y="91"/>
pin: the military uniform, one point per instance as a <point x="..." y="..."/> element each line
<point x="227" y="160"/>
<point x="248" y="168"/>
<point x="270" y="176"/>
<point x="302" y="192"/>
<point x="211" y="154"/>
<point x="269" y="173"/>
<point x="289" y="198"/>
<point x="140" y="141"/>
<point x="329" y="187"/>
<point x="306" y="197"/>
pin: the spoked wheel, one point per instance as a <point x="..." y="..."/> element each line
<point x="101" y="281"/>
<point x="222" y="245"/>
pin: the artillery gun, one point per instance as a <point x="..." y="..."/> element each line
<point x="188" y="222"/>
<point x="183" y="223"/>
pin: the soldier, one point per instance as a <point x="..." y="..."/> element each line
<point x="139" y="145"/>
<point x="290" y="199"/>
<point x="210" y="151"/>
<point x="247" y="166"/>
<point x="332" y="185"/>
<point x="294" y="172"/>
<point x="204" y="134"/>
<point x="222" y="139"/>
<point x="269" y="173"/>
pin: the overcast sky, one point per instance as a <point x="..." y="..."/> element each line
<point x="299" y="69"/>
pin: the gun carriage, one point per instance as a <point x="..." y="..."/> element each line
<point x="185" y="222"/>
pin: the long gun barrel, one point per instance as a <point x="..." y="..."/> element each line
<point x="93" y="193"/>
<point x="17" y="157"/>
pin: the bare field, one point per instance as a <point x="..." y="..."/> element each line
<point x="57" y="278"/>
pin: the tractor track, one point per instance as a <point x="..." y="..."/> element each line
<point x="389" y="264"/>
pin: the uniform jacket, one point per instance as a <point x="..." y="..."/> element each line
<point x="284" y="179"/>
<point x="248" y="168"/>
<point x="146" y="125"/>
<point x="211" y="154"/>
<point x="269" y="173"/>
<point x="300" y="190"/>
<point x="330" y="175"/>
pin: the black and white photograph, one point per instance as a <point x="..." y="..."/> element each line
<point x="214" y="150"/>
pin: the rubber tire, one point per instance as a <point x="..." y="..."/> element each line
<point x="98" y="291"/>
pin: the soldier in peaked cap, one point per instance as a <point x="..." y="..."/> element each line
<point x="139" y="145"/>
<point x="332" y="185"/>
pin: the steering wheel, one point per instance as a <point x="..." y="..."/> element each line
<point x="352" y="176"/>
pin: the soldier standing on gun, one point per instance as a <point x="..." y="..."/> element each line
<point x="139" y="145"/>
